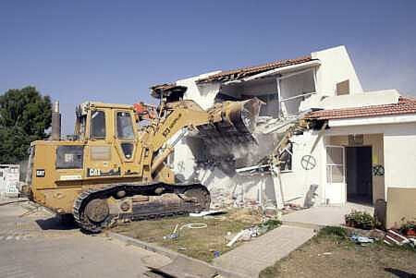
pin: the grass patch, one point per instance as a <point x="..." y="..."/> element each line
<point x="332" y="254"/>
<point x="196" y="243"/>
<point x="334" y="231"/>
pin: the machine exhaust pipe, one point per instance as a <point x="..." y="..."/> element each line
<point x="56" y="122"/>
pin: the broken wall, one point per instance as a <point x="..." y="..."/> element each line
<point x="204" y="95"/>
<point x="294" y="86"/>
<point x="302" y="185"/>
<point x="298" y="184"/>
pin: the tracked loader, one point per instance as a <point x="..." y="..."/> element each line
<point x="114" y="167"/>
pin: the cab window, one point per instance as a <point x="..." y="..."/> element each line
<point x="98" y="125"/>
<point x="124" y="126"/>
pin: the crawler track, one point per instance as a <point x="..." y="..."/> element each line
<point x="197" y="192"/>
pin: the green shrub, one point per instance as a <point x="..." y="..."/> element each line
<point x="360" y="219"/>
<point x="272" y="223"/>
<point x="333" y="231"/>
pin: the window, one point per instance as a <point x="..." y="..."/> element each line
<point x="127" y="149"/>
<point x="335" y="164"/>
<point x="69" y="157"/>
<point x="124" y="126"/>
<point x="343" y="88"/>
<point x="98" y="125"/>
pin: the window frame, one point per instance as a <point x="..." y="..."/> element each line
<point x="120" y="141"/>
<point x="91" y="125"/>
<point x="116" y="125"/>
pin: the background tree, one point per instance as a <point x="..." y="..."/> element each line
<point x="25" y="115"/>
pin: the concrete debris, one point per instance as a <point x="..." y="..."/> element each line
<point x="362" y="240"/>
<point x="235" y="238"/>
<point x="255" y="231"/>
<point x="174" y="234"/>
<point x="395" y="238"/>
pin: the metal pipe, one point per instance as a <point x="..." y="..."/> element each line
<point x="56" y="122"/>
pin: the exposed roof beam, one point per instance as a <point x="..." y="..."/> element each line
<point x="310" y="64"/>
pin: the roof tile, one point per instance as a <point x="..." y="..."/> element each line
<point x="405" y="105"/>
<point x="248" y="71"/>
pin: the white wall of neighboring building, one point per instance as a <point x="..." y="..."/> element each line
<point x="336" y="66"/>
<point x="9" y="179"/>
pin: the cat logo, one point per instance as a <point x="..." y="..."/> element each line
<point x="94" y="172"/>
<point x="40" y="173"/>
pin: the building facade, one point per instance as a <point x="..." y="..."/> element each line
<point x="359" y="144"/>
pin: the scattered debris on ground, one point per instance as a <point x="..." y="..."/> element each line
<point x="332" y="254"/>
<point x="205" y="236"/>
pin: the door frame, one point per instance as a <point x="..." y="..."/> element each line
<point x="371" y="174"/>
<point x="342" y="185"/>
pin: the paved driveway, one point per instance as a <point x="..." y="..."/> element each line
<point x="323" y="215"/>
<point x="37" y="245"/>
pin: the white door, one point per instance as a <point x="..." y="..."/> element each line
<point x="335" y="188"/>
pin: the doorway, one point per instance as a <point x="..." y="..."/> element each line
<point x="359" y="175"/>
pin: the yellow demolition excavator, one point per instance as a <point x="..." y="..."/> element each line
<point x="114" y="166"/>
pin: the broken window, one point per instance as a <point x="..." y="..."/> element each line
<point x="286" y="158"/>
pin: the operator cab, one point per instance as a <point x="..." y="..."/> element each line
<point x="103" y="123"/>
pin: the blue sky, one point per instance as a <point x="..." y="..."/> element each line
<point x="113" y="51"/>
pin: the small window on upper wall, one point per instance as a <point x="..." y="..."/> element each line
<point x="98" y="125"/>
<point x="343" y="88"/>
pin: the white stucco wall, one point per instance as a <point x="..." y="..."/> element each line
<point x="336" y="66"/>
<point x="297" y="183"/>
<point x="360" y="99"/>
<point x="205" y="94"/>
<point x="399" y="146"/>
<point x="400" y="155"/>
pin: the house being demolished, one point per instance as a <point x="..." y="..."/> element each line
<point x="332" y="141"/>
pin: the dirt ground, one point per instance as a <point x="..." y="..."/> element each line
<point x="198" y="243"/>
<point x="331" y="256"/>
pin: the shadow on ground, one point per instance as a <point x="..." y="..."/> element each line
<point x="56" y="223"/>
<point x="400" y="273"/>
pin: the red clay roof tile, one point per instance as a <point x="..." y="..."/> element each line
<point x="248" y="71"/>
<point x="405" y="105"/>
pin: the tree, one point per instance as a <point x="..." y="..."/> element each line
<point x="25" y="115"/>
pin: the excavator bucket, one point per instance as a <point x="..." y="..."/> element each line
<point x="237" y="124"/>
